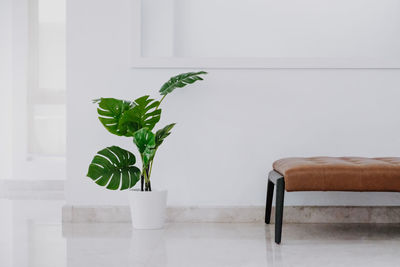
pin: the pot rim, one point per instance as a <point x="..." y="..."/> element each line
<point x="137" y="190"/>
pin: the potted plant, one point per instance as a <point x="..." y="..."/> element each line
<point x="114" y="168"/>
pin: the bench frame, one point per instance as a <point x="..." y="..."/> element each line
<point x="275" y="178"/>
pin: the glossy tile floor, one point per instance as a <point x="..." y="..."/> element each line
<point x="31" y="235"/>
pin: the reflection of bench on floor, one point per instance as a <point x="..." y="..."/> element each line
<point x="329" y="174"/>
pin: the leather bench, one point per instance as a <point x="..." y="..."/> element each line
<point x="328" y="174"/>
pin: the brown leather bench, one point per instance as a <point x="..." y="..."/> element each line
<point x="328" y="174"/>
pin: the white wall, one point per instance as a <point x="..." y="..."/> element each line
<point x="231" y="127"/>
<point x="5" y="87"/>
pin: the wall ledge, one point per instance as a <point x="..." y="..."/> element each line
<point x="245" y="214"/>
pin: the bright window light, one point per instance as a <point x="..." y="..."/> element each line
<point x="46" y="94"/>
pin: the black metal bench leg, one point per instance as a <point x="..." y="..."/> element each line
<point x="280" y="194"/>
<point x="268" y="206"/>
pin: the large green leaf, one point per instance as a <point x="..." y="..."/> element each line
<point x="114" y="168"/>
<point x="144" y="114"/>
<point x="180" y="81"/>
<point x="145" y="141"/>
<point x="163" y="133"/>
<point x="110" y="111"/>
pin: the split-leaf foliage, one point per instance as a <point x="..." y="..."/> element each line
<point x="114" y="167"/>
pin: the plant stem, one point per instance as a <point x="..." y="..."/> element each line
<point x="145" y="174"/>
<point x="148" y="179"/>
<point x="146" y="184"/>
<point x="160" y="101"/>
<point x="146" y="171"/>
<point x="151" y="164"/>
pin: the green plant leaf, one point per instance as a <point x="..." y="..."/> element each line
<point x="114" y="168"/>
<point x="180" y="81"/>
<point x="110" y="111"/>
<point x="145" y="141"/>
<point x="144" y="114"/>
<point x="163" y="133"/>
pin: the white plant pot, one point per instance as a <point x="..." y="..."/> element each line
<point x="148" y="208"/>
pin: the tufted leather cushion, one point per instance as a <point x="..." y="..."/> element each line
<point x="340" y="174"/>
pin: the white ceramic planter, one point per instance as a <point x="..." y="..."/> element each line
<point x="148" y="208"/>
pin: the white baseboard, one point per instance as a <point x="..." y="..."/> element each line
<point x="251" y="214"/>
<point x="19" y="189"/>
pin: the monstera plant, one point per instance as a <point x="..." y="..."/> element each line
<point x="114" y="167"/>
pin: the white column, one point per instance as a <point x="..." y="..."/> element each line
<point x="6" y="77"/>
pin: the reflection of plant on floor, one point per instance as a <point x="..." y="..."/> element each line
<point x="113" y="166"/>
